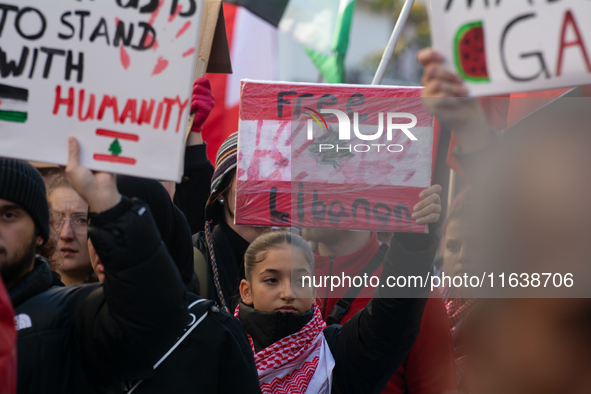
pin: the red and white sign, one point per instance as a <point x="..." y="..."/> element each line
<point x="332" y="156"/>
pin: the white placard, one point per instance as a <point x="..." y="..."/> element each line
<point x="514" y="45"/>
<point x="115" y="74"/>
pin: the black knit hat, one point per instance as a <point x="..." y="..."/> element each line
<point x="20" y="183"/>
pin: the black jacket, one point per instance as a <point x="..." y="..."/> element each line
<point x="192" y="193"/>
<point x="370" y="347"/>
<point x="78" y="339"/>
<point x="214" y="357"/>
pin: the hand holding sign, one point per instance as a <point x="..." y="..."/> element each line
<point x="333" y="156"/>
<point x="429" y="209"/>
<point x="445" y="97"/>
<point x="98" y="189"/>
<point x="202" y="102"/>
<point x="110" y="73"/>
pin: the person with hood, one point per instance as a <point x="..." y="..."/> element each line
<point x="295" y="352"/>
<point x="81" y="339"/>
<point x="213" y="341"/>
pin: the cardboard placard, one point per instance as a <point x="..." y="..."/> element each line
<point x="501" y="47"/>
<point x="117" y="75"/>
<point x="332" y="156"/>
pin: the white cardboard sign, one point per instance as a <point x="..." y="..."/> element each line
<point x="115" y="74"/>
<point x="509" y="46"/>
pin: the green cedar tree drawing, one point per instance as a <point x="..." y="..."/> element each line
<point x="115" y="148"/>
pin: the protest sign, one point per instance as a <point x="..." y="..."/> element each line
<point x="502" y="47"/>
<point x="332" y="156"/>
<point x="116" y="74"/>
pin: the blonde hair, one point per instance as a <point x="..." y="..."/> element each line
<point x="58" y="182"/>
<point x="258" y="249"/>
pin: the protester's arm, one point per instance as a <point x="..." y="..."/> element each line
<point x="371" y="346"/>
<point x="192" y="193"/>
<point x="445" y="96"/>
<point x="126" y="325"/>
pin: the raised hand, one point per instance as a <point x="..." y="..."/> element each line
<point x="429" y="209"/>
<point x="202" y="103"/>
<point x="445" y="96"/>
<point x="98" y="189"/>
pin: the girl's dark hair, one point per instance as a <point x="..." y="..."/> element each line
<point x="258" y="249"/>
<point x="219" y="209"/>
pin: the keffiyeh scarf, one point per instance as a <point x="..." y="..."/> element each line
<point x="457" y="307"/>
<point x="298" y="363"/>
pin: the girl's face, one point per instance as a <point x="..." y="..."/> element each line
<point x="276" y="282"/>
<point x="68" y="204"/>
<point x="457" y="255"/>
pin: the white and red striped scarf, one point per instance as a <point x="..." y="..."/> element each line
<point x="299" y="363"/>
<point x="457" y="307"/>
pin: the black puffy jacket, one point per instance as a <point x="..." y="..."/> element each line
<point x="80" y="339"/>
<point x="212" y="347"/>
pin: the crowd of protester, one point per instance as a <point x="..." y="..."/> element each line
<point x="109" y="285"/>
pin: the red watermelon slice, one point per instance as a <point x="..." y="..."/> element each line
<point x="470" y="53"/>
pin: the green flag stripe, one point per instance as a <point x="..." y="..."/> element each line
<point x="341" y="38"/>
<point x="13" y="116"/>
<point x="332" y="67"/>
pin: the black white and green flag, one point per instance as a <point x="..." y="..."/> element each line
<point x="321" y="26"/>
<point x="13" y="104"/>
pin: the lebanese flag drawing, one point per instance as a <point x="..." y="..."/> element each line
<point x="334" y="156"/>
<point x="115" y="148"/>
<point x="254" y="55"/>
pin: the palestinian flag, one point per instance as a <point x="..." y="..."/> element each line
<point x="332" y="67"/>
<point x="321" y="26"/>
<point x="13" y="104"/>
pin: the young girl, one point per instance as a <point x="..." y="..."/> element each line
<point x="294" y="350"/>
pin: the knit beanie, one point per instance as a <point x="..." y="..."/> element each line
<point x="225" y="162"/>
<point x="21" y="184"/>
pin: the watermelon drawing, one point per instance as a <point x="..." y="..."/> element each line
<point x="470" y="54"/>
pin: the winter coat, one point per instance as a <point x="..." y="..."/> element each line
<point x="81" y="338"/>
<point x="208" y="350"/>
<point x="429" y="367"/>
<point x="192" y="193"/>
<point x="170" y="221"/>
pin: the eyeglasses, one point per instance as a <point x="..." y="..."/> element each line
<point x="78" y="222"/>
